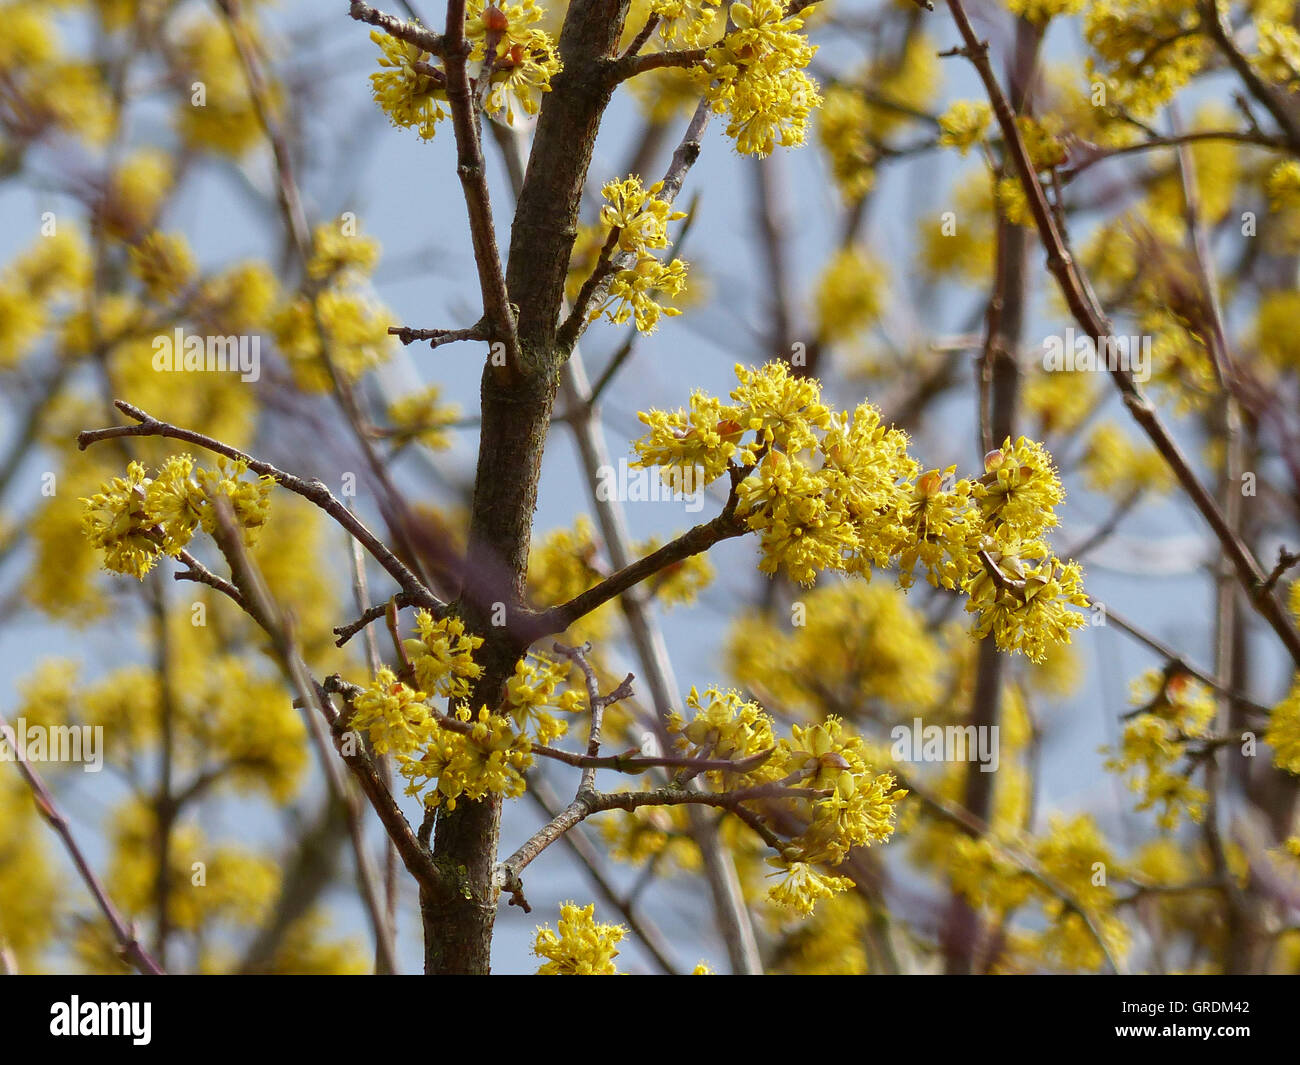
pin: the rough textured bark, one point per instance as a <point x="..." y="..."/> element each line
<point x="516" y="412"/>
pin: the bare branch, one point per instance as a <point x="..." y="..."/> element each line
<point x="410" y="32"/>
<point x="132" y="950"/>
<point x="696" y="541"/>
<point x="470" y="167"/>
<point x="437" y="337"/>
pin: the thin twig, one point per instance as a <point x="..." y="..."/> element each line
<point x="131" y="948"/>
<point x="318" y="714"/>
<point x="409" y="32"/>
<point x="470" y="167"/>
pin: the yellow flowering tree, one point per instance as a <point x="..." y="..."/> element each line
<point x="321" y="623"/>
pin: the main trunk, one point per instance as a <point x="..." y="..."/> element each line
<point x="516" y="410"/>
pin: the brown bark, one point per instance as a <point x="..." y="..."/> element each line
<point x="516" y="410"/>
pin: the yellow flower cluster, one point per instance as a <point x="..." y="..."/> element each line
<point x="1115" y="465"/>
<point x="442" y="765"/>
<point x="240" y="885"/>
<point x="1284" y="186"/>
<point x="1022" y="591"/>
<point x="521" y="57"/>
<point x="1283" y="733"/>
<point x="336" y="323"/>
<point x="857" y="810"/>
<point x="226" y="714"/>
<point x="562" y="565"/>
<point x="1074" y="856"/>
<point x="337" y="249"/>
<point x="1066" y="873"/>
<point x="1174" y="710"/>
<point x="853" y="123"/>
<point x="849" y="294"/>
<point x="136" y="519"/>
<point x="705" y="439"/>
<point x="1019" y="490"/>
<point x="533" y="692"/>
<point x="490" y="759"/>
<point x="238" y="300"/>
<point x="442" y="655"/>
<point x="862" y="642"/>
<point x="164" y="264"/>
<point x="1279" y="52"/>
<point x="1023" y="595"/>
<point x="1043" y="142"/>
<point x="756" y="77"/>
<point x="393" y="715"/>
<point x="651" y="833"/>
<point x="636" y="293"/>
<point x="411" y="98"/>
<point x="136" y="192"/>
<point x="964" y="124"/>
<point x="54" y="269"/>
<point x="860" y="810"/>
<point x="637" y="213"/>
<point x="30" y="883"/>
<point x="685" y="22"/>
<point x="1060" y="400"/>
<point x="838" y="491"/>
<point x="47" y="90"/>
<point x="523" y="61"/>
<point x="640" y="219"/>
<point x="724" y="727"/>
<point x="491" y="754"/>
<point x="1137" y="76"/>
<point x="226" y="119"/>
<point x="842" y="128"/>
<point x="581" y="947"/>
<point x="423" y="417"/>
<point x="966" y="252"/>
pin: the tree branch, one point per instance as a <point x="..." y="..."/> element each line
<point x="314" y="491"/>
<point x="472" y="171"/>
<point x="696" y="541"/>
<point x="132" y="950"/>
<point x="1082" y="305"/>
<point x="410" y="32"/>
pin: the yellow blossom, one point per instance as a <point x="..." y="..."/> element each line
<point x="581" y="947"/>
<point x="755" y="75"/>
<point x="393" y="716"/>
<point x="1283" y="733"/>
<point x="964" y="124"/>
<point x="443" y="655"/>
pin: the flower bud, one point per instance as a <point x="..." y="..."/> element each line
<point x="929" y="483"/>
